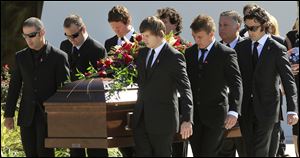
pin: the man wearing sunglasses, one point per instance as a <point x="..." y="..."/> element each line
<point x="36" y="65"/>
<point x="263" y="63"/>
<point x="82" y="50"/>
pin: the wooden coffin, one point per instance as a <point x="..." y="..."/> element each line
<point x="81" y="115"/>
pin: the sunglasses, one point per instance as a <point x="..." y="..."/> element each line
<point x="30" y="35"/>
<point x="252" y="28"/>
<point x="75" y="35"/>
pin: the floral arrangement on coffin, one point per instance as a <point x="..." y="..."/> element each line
<point x="120" y="63"/>
<point x="177" y="42"/>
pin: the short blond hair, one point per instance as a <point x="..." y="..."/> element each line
<point x="274" y="27"/>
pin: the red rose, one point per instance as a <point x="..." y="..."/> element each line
<point x="102" y="73"/>
<point x="127" y="46"/>
<point x="118" y="51"/>
<point x="139" y="37"/>
<point x="177" y="43"/>
<point x="87" y="74"/>
<point x="108" y="62"/>
<point x="128" y="58"/>
<point x="6" y="67"/>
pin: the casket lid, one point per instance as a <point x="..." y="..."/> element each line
<point x="93" y="90"/>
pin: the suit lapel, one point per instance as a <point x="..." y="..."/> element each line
<point x="211" y="54"/>
<point x="28" y="61"/>
<point x="158" y="60"/>
<point x="44" y="56"/>
<point x="143" y="63"/>
<point x="115" y="41"/>
<point x="263" y="53"/>
<point x="195" y="55"/>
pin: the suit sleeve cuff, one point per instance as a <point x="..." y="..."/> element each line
<point x="233" y="113"/>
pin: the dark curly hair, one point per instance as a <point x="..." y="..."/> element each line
<point x="260" y="15"/>
<point x="119" y="14"/>
<point x="173" y="15"/>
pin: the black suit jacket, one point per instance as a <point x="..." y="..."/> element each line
<point x="157" y="94"/>
<point x="90" y="51"/>
<point x="38" y="84"/>
<point x="240" y="39"/>
<point x="109" y="43"/>
<point x="280" y="40"/>
<point x="263" y="82"/>
<point x="209" y="86"/>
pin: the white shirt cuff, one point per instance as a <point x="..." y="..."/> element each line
<point x="291" y="112"/>
<point x="233" y="113"/>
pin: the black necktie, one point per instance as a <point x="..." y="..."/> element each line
<point x="203" y="51"/>
<point x="255" y="55"/>
<point x="122" y="39"/>
<point x="75" y="52"/>
<point x="148" y="68"/>
<point x="228" y="45"/>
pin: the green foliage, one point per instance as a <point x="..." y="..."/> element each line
<point x="114" y="152"/>
<point x="62" y="152"/>
<point x="11" y="145"/>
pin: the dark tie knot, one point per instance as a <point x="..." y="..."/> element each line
<point x="150" y="59"/>
<point x="75" y="48"/>
<point x="256" y="44"/>
<point x="122" y="38"/>
<point x="76" y="52"/>
<point x="203" y="50"/>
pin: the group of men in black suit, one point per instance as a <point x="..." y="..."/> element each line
<point x="220" y="83"/>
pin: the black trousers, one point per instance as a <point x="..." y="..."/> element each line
<point x="231" y="145"/>
<point x="257" y="134"/>
<point x="91" y="152"/>
<point x="282" y="145"/>
<point x="179" y="149"/>
<point x="206" y="141"/>
<point x="33" y="136"/>
<point x="277" y="146"/>
<point x="149" y="145"/>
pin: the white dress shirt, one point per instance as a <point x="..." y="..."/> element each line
<point x="127" y="36"/>
<point x="233" y="43"/>
<point x="157" y="51"/>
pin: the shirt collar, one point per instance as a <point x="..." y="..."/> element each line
<point x="129" y="34"/>
<point x="84" y="39"/>
<point x="159" y="48"/>
<point x="233" y="43"/>
<point x="210" y="45"/>
<point x="262" y="40"/>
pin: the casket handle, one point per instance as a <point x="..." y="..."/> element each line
<point x="128" y="125"/>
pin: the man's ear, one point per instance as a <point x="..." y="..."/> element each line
<point x="42" y="32"/>
<point x="84" y="29"/>
<point x="211" y="34"/>
<point x="162" y="33"/>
